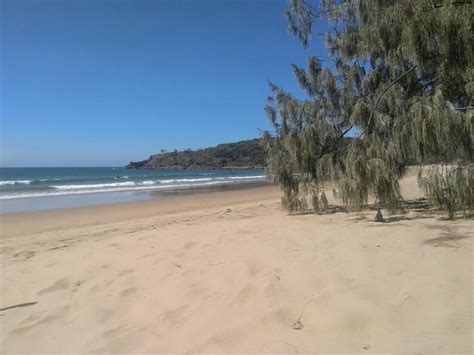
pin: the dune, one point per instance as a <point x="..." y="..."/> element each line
<point x="232" y="272"/>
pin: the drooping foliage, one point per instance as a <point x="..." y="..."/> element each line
<point x="397" y="90"/>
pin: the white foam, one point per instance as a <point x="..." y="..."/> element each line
<point x="93" y="186"/>
<point x="15" y="182"/>
<point x="170" y="181"/>
<point x="102" y="190"/>
<point x="255" y="177"/>
<point x="61" y="190"/>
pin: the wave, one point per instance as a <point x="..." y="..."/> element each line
<point x="102" y="190"/>
<point x="60" y="190"/>
<point x="220" y="178"/>
<point x="254" y="177"/>
<point x="93" y="186"/>
<point x="15" y="182"/>
<point x="171" y="181"/>
<point x="152" y="182"/>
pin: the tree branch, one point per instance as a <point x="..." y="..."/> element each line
<point x="369" y="124"/>
<point x="314" y="12"/>
<point x="459" y="2"/>
<point x="464" y="108"/>
<point x="346" y="131"/>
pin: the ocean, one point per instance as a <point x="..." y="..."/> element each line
<point x="30" y="189"/>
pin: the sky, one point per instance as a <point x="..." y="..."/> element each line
<point x="105" y="82"/>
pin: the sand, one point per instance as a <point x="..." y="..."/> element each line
<point x="232" y="272"/>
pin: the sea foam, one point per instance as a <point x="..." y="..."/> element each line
<point x="61" y="190"/>
<point x="15" y="182"/>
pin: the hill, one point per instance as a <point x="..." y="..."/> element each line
<point x="243" y="154"/>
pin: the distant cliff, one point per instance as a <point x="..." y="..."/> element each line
<point x="243" y="154"/>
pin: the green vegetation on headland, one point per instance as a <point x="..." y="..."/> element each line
<point x="245" y="154"/>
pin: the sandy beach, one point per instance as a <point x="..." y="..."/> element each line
<point x="232" y="272"/>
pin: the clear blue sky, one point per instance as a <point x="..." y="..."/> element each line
<point x="104" y="82"/>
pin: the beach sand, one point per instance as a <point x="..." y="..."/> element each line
<point x="232" y="272"/>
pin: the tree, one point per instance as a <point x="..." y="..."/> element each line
<point x="400" y="75"/>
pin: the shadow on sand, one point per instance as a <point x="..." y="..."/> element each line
<point x="419" y="205"/>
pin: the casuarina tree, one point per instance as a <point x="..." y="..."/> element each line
<point x="396" y="89"/>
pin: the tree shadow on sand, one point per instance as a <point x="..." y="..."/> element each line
<point x="420" y="206"/>
<point x="449" y="240"/>
<point x="330" y="209"/>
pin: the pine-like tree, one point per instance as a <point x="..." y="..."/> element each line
<point x="401" y="76"/>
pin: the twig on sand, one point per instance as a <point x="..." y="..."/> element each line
<point x="295" y="347"/>
<point x="26" y="304"/>
<point x="213" y="264"/>
<point x="298" y="325"/>
<point x="408" y="295"/>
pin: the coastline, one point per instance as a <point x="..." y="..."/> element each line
<point x="161" y="203"/>
<point x="230" y="271"/>
<point x="32" y="204"/>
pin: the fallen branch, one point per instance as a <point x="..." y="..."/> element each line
<point x="212" y="264"/>
<point x="26" y="304"/>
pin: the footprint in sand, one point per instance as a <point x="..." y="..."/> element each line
<point x="60" y="284"/>
<point x="77" y="285"/>
<point x="35" y="323"/>
<point x="125" y="272"/>
<point x="175" y="316"/>
<point x="246" y="294"/>
<point x="356" y="322"/>
<point x="31" y="319"/>
<point x="27" y="254"/>
<point x="189" y="245"/>
<point x="252" y="269"/>
<point x="129" y="291"/>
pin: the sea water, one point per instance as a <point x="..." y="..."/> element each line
<point x="27" y="189"/>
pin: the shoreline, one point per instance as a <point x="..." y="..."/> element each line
<point x="44" y="203"/>
<point x="166" y="203"/>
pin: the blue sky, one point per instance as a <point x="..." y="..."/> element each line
<point x="104" y="82"/>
